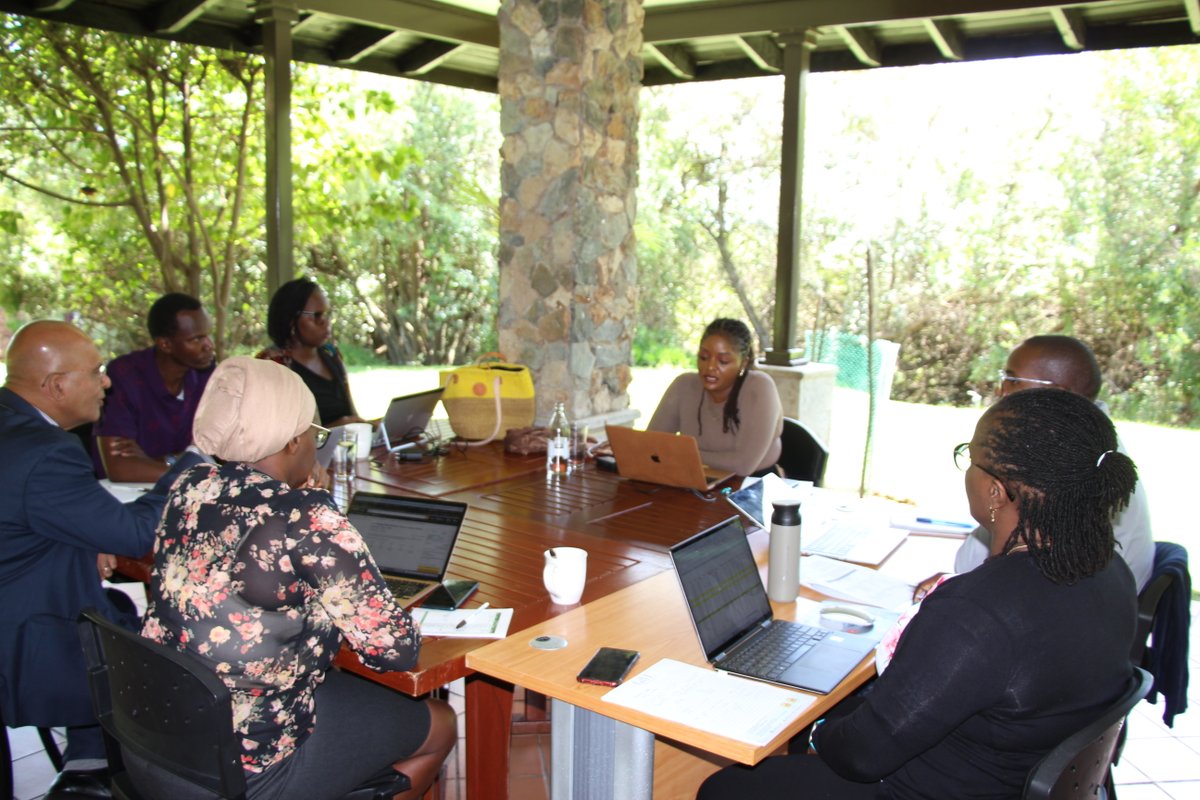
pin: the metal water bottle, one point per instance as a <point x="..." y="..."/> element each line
<point x="783" y="562"/>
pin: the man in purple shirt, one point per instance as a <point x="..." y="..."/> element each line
<point x="147" y="420"/>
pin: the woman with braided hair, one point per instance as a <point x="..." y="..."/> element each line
<point x="731" y="408"/>
<point x="1005" y="661"/>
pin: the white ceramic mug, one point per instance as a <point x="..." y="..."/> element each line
<point x="565" y="574"/>
<point x="362" y="433"/>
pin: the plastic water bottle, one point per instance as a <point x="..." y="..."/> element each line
<point x="783" y="559"/>
<point x="558" y="443"/>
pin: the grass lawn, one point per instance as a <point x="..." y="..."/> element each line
<point x="911" y="449"/>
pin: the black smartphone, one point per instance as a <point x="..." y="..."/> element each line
<point x="608" y="667"/>
<point x="450" y="594"/>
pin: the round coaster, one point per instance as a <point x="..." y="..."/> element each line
<point x="548" y="642"/>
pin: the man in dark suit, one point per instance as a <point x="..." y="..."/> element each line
<point x="57" y="525"/>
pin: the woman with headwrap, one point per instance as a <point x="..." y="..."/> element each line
<point x="262" y="578"/>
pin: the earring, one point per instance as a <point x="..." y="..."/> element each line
<point x="992" y="514"/>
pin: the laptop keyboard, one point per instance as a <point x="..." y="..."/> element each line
<point x="404" y="587"/>
<point x="770" y="653"/>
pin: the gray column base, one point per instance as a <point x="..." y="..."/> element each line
<point x="594" y="757"/>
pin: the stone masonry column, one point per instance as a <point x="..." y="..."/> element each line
<point x="569" y="78"/>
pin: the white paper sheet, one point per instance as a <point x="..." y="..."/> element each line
<point x="846" y="581"/>
<point x="717" y="702"/>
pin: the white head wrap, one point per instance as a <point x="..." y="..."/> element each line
<point x="251" y="409"/>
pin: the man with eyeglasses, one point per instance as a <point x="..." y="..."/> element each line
<point x="147" y="420"/>
<point x="57" y="523"/>
<point x="1063" y="362"/>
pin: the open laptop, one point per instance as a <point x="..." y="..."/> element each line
<point x="668" y="459"/>
<point x="407" y="418"/>
<point x="732" y="616"/>
<point x="861" y="537"/>
<point x="410" y="538"/>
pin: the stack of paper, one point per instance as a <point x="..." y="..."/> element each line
<point x="738" y="708"/>
<point x="845" y="581"/>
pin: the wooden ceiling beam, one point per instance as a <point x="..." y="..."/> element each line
<point x="1071" y="27"/>
<point x="675" y="58"/>
<point x="763" y="51"/>
<point x="425" y="18"/>
<point x="175" y="15"/>
<point x="947" y="35"/>
<point x="359" y="42"/>
<point x="862" y="44"/>
<point x="425" y="57"/>
<point x="679" y="21"/>
<point x="1193" y="12"/>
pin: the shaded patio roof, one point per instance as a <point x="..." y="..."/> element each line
<point x="455" y="42"/>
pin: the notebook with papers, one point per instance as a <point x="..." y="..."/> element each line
<point x="407" y="418"/>
<point x="667" y="459"/>
<point x="732" y="616"/>
<point x="411" y="539"/>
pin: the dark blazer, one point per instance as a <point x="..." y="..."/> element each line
<point x="54" y="518"/>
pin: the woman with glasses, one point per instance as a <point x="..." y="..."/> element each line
<point x="299" y="322"/>
<point x="1004" y="662"/>
<point x="262" y="578"/>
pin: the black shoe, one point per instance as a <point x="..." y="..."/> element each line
<point x="74" y="784"/>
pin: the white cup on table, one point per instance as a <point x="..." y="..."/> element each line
<point x="565" y="574"/>
<point x="363" y="432"/>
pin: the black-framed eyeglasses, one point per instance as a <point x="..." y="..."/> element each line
<point x="1003" y="377"/>
<point x="962" y="460"/>
<point x="318" y="316"/>
<point x="321" y="435"/>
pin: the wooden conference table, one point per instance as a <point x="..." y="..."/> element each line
<point x="515" y="514"/>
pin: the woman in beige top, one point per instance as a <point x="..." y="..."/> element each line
<point x="732" y="409"/>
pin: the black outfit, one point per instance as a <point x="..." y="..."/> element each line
<point x="1172" y="623"/>
<point x="998" y="667"/>
<point x="333" y="396"/>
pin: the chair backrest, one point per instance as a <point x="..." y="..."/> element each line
<point x="1147" y="608"/>
<point x="1079" y="766"/>
<point x="804" y="455"/>
<point x="165" y="706"/>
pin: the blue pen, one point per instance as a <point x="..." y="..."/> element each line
<point x="947" y="522"/>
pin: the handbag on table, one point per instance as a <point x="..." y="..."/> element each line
<point x="485" y="399"/>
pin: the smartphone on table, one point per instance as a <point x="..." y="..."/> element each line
<point x="608" y="667"/>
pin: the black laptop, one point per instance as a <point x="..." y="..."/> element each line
<point x="407" y="418"/>
<point x="732" y="616"/>
<point x="411" y="540"/>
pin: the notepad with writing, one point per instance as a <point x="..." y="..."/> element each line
<point x="737" y="708"/>
<point x="490" y="623"/>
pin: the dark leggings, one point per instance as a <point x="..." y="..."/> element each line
<point x="361" y="729"/>
<point x="787" y="777"/>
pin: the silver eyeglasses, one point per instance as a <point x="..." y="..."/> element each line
<point x="1003" y="376"/>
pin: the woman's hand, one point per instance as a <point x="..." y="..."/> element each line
<point x="926" y="586"/>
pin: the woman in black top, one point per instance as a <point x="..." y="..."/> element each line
<point x="1004" y="662"/>
<point x="299" y="322"/>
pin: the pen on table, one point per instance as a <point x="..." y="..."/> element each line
<point x="462" y="623"/>
<point x="947" y="522"/>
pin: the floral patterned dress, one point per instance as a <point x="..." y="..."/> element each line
<point x="262" y="581"/>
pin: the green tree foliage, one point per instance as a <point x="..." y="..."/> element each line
<point x="147" y="149"/>
<point x="402" y="222"/>
<point x="1132" y="287"/>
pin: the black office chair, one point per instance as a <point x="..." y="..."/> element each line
<point x="804" y="455"/>
<point x="172" y="710"/>
<point x="1081" y="765"/>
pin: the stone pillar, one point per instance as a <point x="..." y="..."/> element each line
<point x="569" y="78"/>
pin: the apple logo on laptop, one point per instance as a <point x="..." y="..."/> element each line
<point x="654" y="457"/>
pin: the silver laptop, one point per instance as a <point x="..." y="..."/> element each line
<point x="667" y="459"/>
<point x="407" y="418"/>
<point x="732" y="616"/>
<point x="411" y="539"/>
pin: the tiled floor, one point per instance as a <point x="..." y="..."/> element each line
<point x="1159" y="763"/>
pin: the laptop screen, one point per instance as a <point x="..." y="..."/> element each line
<point x="408" y="416"/>
<point x="721" y="584"/>
<point x="408" y="536"/>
